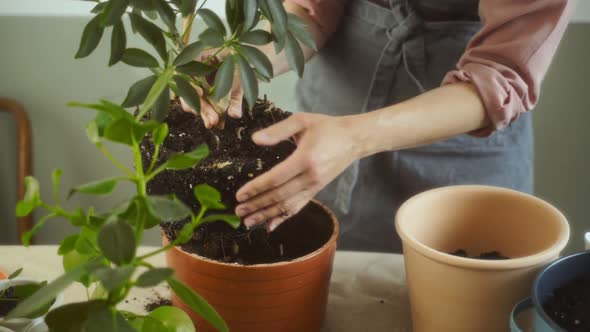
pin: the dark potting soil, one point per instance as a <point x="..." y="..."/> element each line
<point x="569" y="305"/>
<point x="233" y="161"/>
<point x="491" y="255"/>
<point x="156" y="303"/>
<point x="6" y="305"/>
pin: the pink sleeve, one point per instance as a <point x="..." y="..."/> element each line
<point x="508" y="58"/>
<point x="326" y="13"/>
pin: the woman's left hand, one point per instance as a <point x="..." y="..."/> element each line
<point x="325" y="147"/>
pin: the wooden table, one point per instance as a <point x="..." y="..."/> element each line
<point x="367" y="291"/>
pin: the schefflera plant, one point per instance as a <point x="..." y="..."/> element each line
<point x="175" y="70"/>
<point x="102" y="255"/>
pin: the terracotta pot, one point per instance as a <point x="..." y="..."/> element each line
<point x="450" y="293"/>
<point x="285" y="296"/>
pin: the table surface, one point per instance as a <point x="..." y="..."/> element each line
<point x="367" y="291"/>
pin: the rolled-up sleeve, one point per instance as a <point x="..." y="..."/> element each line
<point x="326" y="13"/>
<point x="507" y="60"/>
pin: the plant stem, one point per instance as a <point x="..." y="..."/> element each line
<point x="154" y="158"/>
<point x="187" y="27"/>
<point x="110" y="157"/>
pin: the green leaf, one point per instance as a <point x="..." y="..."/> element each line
<point x="159" y="134"/>
<point x="118" y="43"/>
<point x="224" y="78"/>
<point x="139" y="58"/>
<point x="113" y="12"/>
<point x="294" y="54"/>
<point x="167" y="209"/>
<point x="299" y="29"/>
<point x="114" y="110"/>
<point x="72" y="316"/>
<point x="50" y="292"/>
<point x="233" y="15"/>
<point x="116" y="240"/>
<point x="279" y="14"/>
<point x="212" y="20"/>
<point x="27" y="236"/>
<point x="248" y="81"/>
<point x="55" y="177"/>
<point x="195" y="69"/>
<point x="31" y="198"/>
<point x="90" y="38"/>
<point x="92" y="131"/>
<point x="100" y="187"/>
<point x="161" y="106"/>
<point x="99" y="8"/>
<point x="250" y="10"/>
<point x="166" y="13"/>
<point x="73" y="260"/>
<point x="260" y="61"/>
<point x="208" y="197"/>
<point x="198" y="304"/>
<point x="143" y="4"/>
<point x="86" y="243"/>
<point x="67" y="244"/>
<point x="15" y="273"/>
<point x="188" y="93"/>
<point x="24" y="291"/>
<point x="106" y="319"/>
<point x="189" y="53"/>
<point x="256" y="37"/>
<point x="169" y="319"/>
<point x="185" y="6"/>
<point x="211" y="38"/>
<point x="151" y="14"/>
<point x="232" y="220"/>
<point x="161" y="83"/>
<point x="154" y="277"/>
<point x="113" y="278"/>
<point x="187" y="160"/>
<point x="139" y="91"/>
<point x="150" y="32"/>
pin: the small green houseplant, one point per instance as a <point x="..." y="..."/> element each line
<point x="102" y="255"/>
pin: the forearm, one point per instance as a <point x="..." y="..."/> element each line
<point x="279" y="61"/>
<point x="439" y="114"/>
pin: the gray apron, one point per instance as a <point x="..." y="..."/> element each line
<point x="380" y="56"/>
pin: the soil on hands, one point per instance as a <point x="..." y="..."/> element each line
<point x="233" y="161"/>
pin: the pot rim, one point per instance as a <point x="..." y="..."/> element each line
<point x="535" y="292"/>
<point x="331" y="241"/>
<point x="481" y="264"/>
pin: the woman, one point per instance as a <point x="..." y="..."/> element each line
<point x="378" y="126"/>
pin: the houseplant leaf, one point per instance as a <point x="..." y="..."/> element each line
<point x="230" y="219"/>
<point x="100" y="187"/>
<point x="211" y="38"/>
<point x="113" y="11"/>
<point x="189" y="53"/>
<point x="248" y="81"/>
<point x="166" y="208"/>
<point x="161" y="106"/>
<point x="31" y="198"/>
<point x="139" y="58"/>
<point x="166" y="13"/>
<point x="224" y="78"/>
<point x="90" y="38"/>
<point x="187" y="160"/>
<point x="208" y="197"/>
<point x="260" y="61"/>
<point x="72" y="316"/>
<point x="256" y="37"/>
<point x="279" y="14"/>
<point x="250" y="11"/>
<point x="159" y="134"/>
<point x="113" y="278"/>
<point x="168" y="319"/>
<point x="188" y="93"/>
<point x="116" y="240"/>
<point x="106" y="319"/>
<point x="212" y="20"/>
<point x="198" y="304"/>
<point x="118" y="43"/>
<point x="294" y="54"/>
<point x="67" y="244"/>
<point x="139" y="91"/>
<point x="159" y="86"/>
<point x="153" y="277"/>
<point x="150" y="32"/>
<point x="195" y="69"/>
<point x="299" y="29"/>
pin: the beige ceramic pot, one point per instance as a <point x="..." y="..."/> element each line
<point x="450" y="293"/>
<point x="278" y="297"/>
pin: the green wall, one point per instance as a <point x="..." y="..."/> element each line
<point x="37" y="68"/>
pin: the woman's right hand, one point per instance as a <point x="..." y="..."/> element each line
<point x="208" y="113"/>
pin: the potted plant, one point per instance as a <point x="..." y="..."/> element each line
<point x="15" y="289"/>
<point x="450" y="293"/>
<point x="102" y="254"/>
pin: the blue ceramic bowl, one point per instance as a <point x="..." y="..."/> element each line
<point x="552" y="277"/>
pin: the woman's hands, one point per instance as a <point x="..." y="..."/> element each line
<point x="325" y="148"/>
<point x="234" y="108"/>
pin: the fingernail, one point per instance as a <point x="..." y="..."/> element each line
<point x="242" y="211"/>
<point x="251" y="221"/>
<point x="242" y="197"/>
<point x="273" y="226"/>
